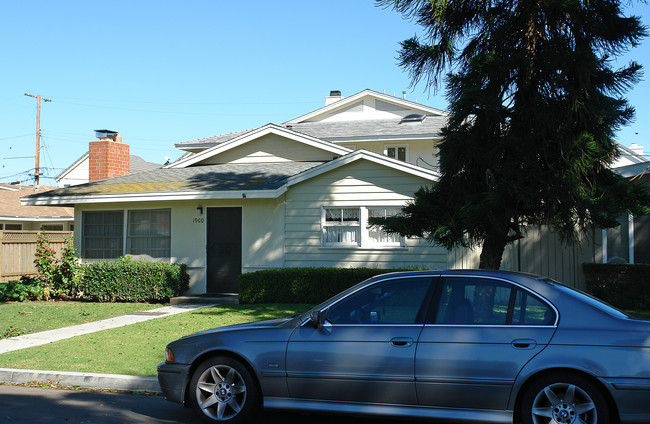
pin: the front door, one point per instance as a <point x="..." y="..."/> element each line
<point x="223" y="249"/>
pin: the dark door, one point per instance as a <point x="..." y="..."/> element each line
<point x="223" y="250"/>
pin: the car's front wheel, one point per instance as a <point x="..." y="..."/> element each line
<point x="223" y="390"/>
<point x="564" y="399"/>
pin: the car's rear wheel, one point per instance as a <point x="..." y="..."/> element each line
<point x="564" y="399"/>
<point x="223" y="390"/>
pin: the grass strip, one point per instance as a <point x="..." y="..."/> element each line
<point x="18" y="318"/>
<point x="138" y="348"/>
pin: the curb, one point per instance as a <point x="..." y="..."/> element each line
<point x="79" y="379"/>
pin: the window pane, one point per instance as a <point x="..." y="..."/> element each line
<point x="391" y="302"/>
<point x="390" y="152"/>
<point x="102" y="234"/>
<point x="377" y="235"/>
<point x="149" y="233"/>
<point x="342" y="226"/>
<point x="473" y="301"/>
<point x="529" y="310"/>
<point x="401" y="154"/>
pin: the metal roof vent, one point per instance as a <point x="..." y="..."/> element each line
<point x="414" y="117"/>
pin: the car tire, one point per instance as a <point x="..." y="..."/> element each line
<point x="222" y="390"/>
<point x="564" y="398"/>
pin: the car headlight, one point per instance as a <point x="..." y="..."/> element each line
<point x="169" y="355"/>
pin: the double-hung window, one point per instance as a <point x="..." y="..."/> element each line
<point x="149" y="233"/>
<point x="341" y="227"/>
<point x="102" y="236"/>
<point x="348" y="227"/>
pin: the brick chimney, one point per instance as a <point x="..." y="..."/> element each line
<point x="107" y="157"/>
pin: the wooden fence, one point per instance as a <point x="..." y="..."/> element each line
<point x="18" y="250"/>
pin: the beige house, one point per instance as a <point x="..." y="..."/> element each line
<point x="291" y="195"/>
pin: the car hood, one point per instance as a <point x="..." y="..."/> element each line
<point x="272" y="323"/>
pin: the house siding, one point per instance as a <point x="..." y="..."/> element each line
<point x="270" y="148"/>
<point x="361" y="183"/>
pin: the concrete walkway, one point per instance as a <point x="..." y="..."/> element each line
<point x="88" y="380"/>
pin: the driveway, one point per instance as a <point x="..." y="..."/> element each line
<point x="35" y="405"/>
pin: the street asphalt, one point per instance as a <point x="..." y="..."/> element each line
<point x="87" y="380"/>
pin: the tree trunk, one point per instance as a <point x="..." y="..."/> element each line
<point x="492" y="251"/>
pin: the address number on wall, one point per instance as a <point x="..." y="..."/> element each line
<point x="198" y="220"/>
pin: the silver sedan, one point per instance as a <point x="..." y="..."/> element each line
<point x="466" y="346"/>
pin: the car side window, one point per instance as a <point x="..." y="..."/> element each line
<point x="398" y="301"/>
<point x="528" y="310"/>
<point x="480" y="301"/>
<point x="473" y="301"/>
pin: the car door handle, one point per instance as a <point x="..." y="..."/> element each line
<point x="401" y="341"/>
<point x="524" y="344"/>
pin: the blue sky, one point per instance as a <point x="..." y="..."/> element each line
<point x="163" y="72"/>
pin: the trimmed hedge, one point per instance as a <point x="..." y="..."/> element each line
<point x="132" y="281"/>
<point x="625" y="286"/>
<point x="301" y="285"/>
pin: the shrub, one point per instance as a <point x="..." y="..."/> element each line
<point x="56" y="276"/>
<point x="25" y="289"/>
<point x="301" y="285"/>
<point x="132" y="281"/>
<point x="622" y="285"/>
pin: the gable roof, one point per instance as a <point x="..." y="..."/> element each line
<point x="225" y="181"/>
<point x="361" y="154"/>
<point x="136" y="164"/>
<point x="247" y="136"/>
<point x="345" y="102"/>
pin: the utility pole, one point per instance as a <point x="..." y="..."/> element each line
<point x="38" y="98"/>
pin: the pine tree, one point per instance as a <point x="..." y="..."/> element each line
<point x="534" y="105"/>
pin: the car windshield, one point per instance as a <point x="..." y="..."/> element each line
<point x="589" y="299"/>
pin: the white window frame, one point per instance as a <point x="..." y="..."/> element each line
<point x="364" y="239"/>
<point x="325" y="224"/>
<point x="397" y="147"/>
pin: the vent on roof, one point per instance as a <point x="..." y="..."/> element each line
<point x="414" y="117"/>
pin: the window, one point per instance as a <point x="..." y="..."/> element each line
<point x="102" y="234"/>
<point x="13" y="227"/>
<point x="52" y="227"/>
<point x="378" y="236"/>
<point x="348" y="227"/>
<point x="490" y="302"/>
<point x="342" y="226"/>
<point x="396" y="301"/>
<point x="149" y="233"/>
<point x="396" y="152"/>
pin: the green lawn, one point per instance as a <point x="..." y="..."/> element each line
<point x="18" y="318"/>
<point x="136" y="349"/>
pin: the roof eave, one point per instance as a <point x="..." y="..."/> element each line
<point x="152" y="197"/>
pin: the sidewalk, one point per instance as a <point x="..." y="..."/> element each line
<point x="88" y="380"/>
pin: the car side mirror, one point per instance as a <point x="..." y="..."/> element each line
<point x="318" y="318"/>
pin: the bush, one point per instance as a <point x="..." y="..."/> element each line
<point x="132" y="281"/>
<point x="625" y="286"/>
<point x="25" y="289"/>
<point x="57" y="276"/>
<point x="301" y="285"/>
